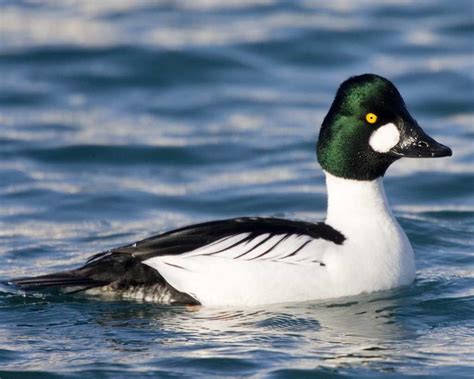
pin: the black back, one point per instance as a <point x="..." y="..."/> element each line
<point x="195" y="236"/>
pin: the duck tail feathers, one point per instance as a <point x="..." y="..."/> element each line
<point x="67" y="282"/>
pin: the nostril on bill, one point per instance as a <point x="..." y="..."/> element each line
<point x="423" y="144"/>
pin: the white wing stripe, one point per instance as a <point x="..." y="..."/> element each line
<point x="255" y="246"/>
<point x="283" y="248"/>
<point x="297" y="250"/>
<point x="285" y="236"/>
<point x="243" y="241"/>
<point x="224" y="247"/>
<point x="267" y="244"/>
<point x="219" y="241"/>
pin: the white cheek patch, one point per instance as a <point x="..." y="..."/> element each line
<point x="384" y="138"/>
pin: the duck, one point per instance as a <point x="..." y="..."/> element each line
<point x="249" y="261"/>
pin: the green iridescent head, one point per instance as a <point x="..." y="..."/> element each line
<point x="367" y="128"/>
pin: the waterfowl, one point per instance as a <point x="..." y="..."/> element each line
<point x="254" y="260"/>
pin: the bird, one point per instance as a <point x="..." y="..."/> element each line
<point x="250" y="261"/>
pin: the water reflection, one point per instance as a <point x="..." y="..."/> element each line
<point x="382" y="330"/>
<point x="361" y="329"/>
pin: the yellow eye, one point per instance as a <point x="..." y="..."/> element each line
<point x="371" y="118"/>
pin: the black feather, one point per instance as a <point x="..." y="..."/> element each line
<point x="195" y="236"/>
<point x="123" y="267"/>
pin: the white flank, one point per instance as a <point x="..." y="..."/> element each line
<point x="376" y="255"/>
<point x="384" y="138"/>
<point x="262" y="276"/>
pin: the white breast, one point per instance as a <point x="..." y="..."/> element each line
<point x="377" y="254"/>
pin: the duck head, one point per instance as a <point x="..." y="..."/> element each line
<point x="368" y="127"/>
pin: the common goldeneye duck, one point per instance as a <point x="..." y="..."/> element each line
<point x="250" y="261"/>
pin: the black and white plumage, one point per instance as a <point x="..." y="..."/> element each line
<point x="131" y="270"/>
<point x="249" y="261"/>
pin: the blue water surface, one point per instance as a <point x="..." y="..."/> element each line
<point x="122" y="119"/>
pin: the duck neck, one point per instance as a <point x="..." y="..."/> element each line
<point x="356" y="204"/>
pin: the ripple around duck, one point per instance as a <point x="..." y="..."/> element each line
<point x="288" y="322"/>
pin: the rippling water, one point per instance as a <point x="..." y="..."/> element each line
<point x="122" y="119"/>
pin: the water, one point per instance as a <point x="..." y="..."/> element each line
<point x="122" y="119"/>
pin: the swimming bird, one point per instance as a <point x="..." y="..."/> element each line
<point x="360" y="248"/>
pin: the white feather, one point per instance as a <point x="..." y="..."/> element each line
<point x="215" y="280"/>
<point x="384" y="138"/>
<point x="376" y="255"/>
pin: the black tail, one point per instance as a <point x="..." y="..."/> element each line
<point x="67" y="281"/>
<point x="121" y="270"/>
